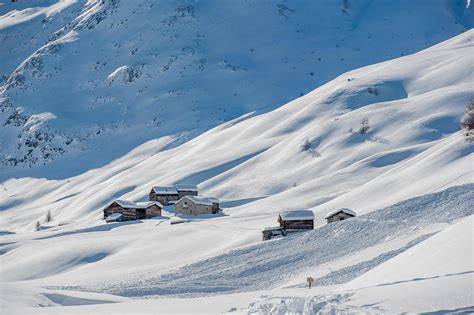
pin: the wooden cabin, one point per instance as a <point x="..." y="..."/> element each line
<point x="186" y="190"/>
<point x="194" y="205"/>
<point x="131" y="211"/>
<point x="296" y="220"/>
<point x="272" y="232"/>
<point x="164" y="194"/>
<point x="339" y="215"/>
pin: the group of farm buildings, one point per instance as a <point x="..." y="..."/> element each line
<point x="186" y="200"/>
<point x="183" y="196"/>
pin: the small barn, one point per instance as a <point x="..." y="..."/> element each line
<point x="163" y="194"/>
<point x="186" y="190"/>
<point x="131" y="211"/>
<point x="194" y="205"/>
<point x="339" y="215"/>
<point x="272" y="232"/>
<point x="296" y="220"/>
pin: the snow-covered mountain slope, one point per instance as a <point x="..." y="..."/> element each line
<point x="305" y="154"/>
<point x="257" y="163"/>
<point x="87" y="76"/>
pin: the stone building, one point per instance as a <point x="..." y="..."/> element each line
<point x="194" y="205"/>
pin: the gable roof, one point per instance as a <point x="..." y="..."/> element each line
<point x="165" y="190"/>
<point x="186" y="187"/>
<point x="294" y="215"/>
<point x="213" y="199"/>
<point x="146" y="204"/>
<point x="199" y="200"/>
<point x="135" y="205"/>
<point x="345" y="210"/>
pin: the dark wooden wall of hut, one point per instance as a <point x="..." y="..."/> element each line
<point x="297" y="225"/>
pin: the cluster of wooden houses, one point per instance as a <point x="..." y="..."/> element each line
<point x="298" y="220"/>
<point x="184" y="197"/>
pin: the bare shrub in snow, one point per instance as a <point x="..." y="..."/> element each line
<point x="373" y="90"/>
<point x="306" y="145"/>
<point x="467" y="122"/>
<point x="364" y="126"/>
<point x="49" y="217"/>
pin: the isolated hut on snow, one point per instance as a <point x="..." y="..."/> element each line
<point x="296" y="220"/>
<point x="164" y="194"/>
<point x="186" y="190"/>
<point x="195" y="205"/>
<point x="123" y="210"/>
<point x="339" y="215"/>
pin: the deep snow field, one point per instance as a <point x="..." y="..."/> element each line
<point x="410" y="178"/>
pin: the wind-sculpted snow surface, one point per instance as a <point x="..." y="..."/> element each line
<point x="271" y="263"/>
<point x="108" y="68"/>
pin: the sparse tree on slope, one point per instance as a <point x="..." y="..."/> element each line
<point x="364" y="126"/>
<point x="38" y="226"/>
<point x="306" y="145"/>
<point x="49" y="217"/>
<point x="467" y="122"/>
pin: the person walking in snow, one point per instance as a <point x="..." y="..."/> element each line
<point x="310" y="280"/>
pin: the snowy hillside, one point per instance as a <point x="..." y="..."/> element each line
<point x="408" y="175"/>
<point x="83" y="76"/>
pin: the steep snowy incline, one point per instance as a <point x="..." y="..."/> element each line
<point x="413" y="147"/>
<point x="113" y="74"/>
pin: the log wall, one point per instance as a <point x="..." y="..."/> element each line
<point x="338" y="217"/>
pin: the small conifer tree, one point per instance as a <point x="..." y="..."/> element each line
<point x="49" y="217"/>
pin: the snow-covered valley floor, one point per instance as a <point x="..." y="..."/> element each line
<point x="425" y="243"/>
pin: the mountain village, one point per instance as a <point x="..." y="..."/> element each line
<point x="184" y="201"/>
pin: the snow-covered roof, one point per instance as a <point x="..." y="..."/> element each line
<point x="199" y="200"/>
<point x="186" y="187"/>
<point x="345" y="210"/>
<point x="146" y="204"/>
<point x="166" y="190"/>
<point x="213" y="199"/>
<point x="125" y="203"/>
<point x="294" y="215"/>
<point x="136" y="205"/>
<point x="113" y="217"/>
